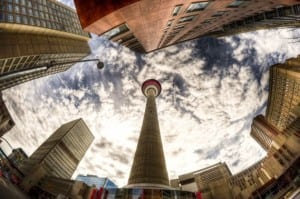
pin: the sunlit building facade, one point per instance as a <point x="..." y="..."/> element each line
<point x="34" y="35"/>
<point x="6" y="121"/>
<point x="263" y="132"/>
<point x="242" y="184"/>
<point x="211" y="182"/>
<point x="284" y="97"/>
<point x="59" y="155"/>
<point x="163" y="23"/>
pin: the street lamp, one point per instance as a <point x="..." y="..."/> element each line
<point x="3" y="76"/>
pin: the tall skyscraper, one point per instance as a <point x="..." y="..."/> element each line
<point x="59" y="155"/>
<point x="35" y="38"/>
<point x="149" y="167"/>
<point x="93" y="180"/>
<point x="284" y="93"/>
<point x="263" y="132"/>
<point x="147" y="25"/>
<point x="6" y="121"/>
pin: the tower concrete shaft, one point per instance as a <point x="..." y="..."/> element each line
<point x="149" y="167"/>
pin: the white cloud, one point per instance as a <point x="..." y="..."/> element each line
<point x="205" y="108"/>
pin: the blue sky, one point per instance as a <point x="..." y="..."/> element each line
<point x="212" y="88"/>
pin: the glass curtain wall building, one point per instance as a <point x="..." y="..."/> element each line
<point x="93" y="180"/>
<point x="35" y="33"/>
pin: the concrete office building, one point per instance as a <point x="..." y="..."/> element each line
<point x="243" y="184"/>
<point x="95" y="181"/>
<point x="35" y="38"/>
<point x="284" y="93"/>
<point x="149" y="167"/>
<point x="6" y="121"/>
<point x="59" y="155"/>
<point x="263" y="132"/>
<point x="147" y="25"/>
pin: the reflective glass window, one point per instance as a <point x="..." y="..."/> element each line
<point x="235" y="3"/>
<point x="10" y="18"/>
<point x="186" y="19"/>
<point x="18" y="19"/>
<point x="197" y="6"/>
<point x="176" y="10"/>
<point x="116" y="31"/>
<point x="9" y="7"/>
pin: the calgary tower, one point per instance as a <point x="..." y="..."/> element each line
<point x="149" y="167"/>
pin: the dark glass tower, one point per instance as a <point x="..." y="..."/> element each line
<point x="149" y="167"/>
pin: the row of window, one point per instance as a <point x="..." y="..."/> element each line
<point x="274" y="14"/>
<point x="128" y="39"/>
<point x="193" y="7"/>
<point x="51" y="16"/>
<point x="15" y="63"/>
<point x="21" y="79"/>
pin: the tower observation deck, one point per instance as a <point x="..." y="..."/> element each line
<point x="149" y="167"/>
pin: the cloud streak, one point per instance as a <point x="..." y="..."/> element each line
<point x="212" y="88"/>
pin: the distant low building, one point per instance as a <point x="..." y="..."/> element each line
<point x="93" y="180"/>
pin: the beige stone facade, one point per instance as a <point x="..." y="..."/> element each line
<point x="284" y="94"/>
<point x="33" y="35"/>
<point x="263" y="132"/>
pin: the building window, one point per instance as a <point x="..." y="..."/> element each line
<point x="197" y="6"/>
<point x="25" y="20"/>
<point x="169" y="23"/>
<point x="178" y="27"/>
<point x="2" y="18"/>
<point x="17" y="8"/>
<point x="10" y="18"/>
<point x="235" y="3"/>
<point x="186" y="19"/>
<point x="116" y="31"/>
<point x="9" y="8"/>
<point x="219" y="13"/>
<point x="176" y="10"/>
<point x="18" y="19"/>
